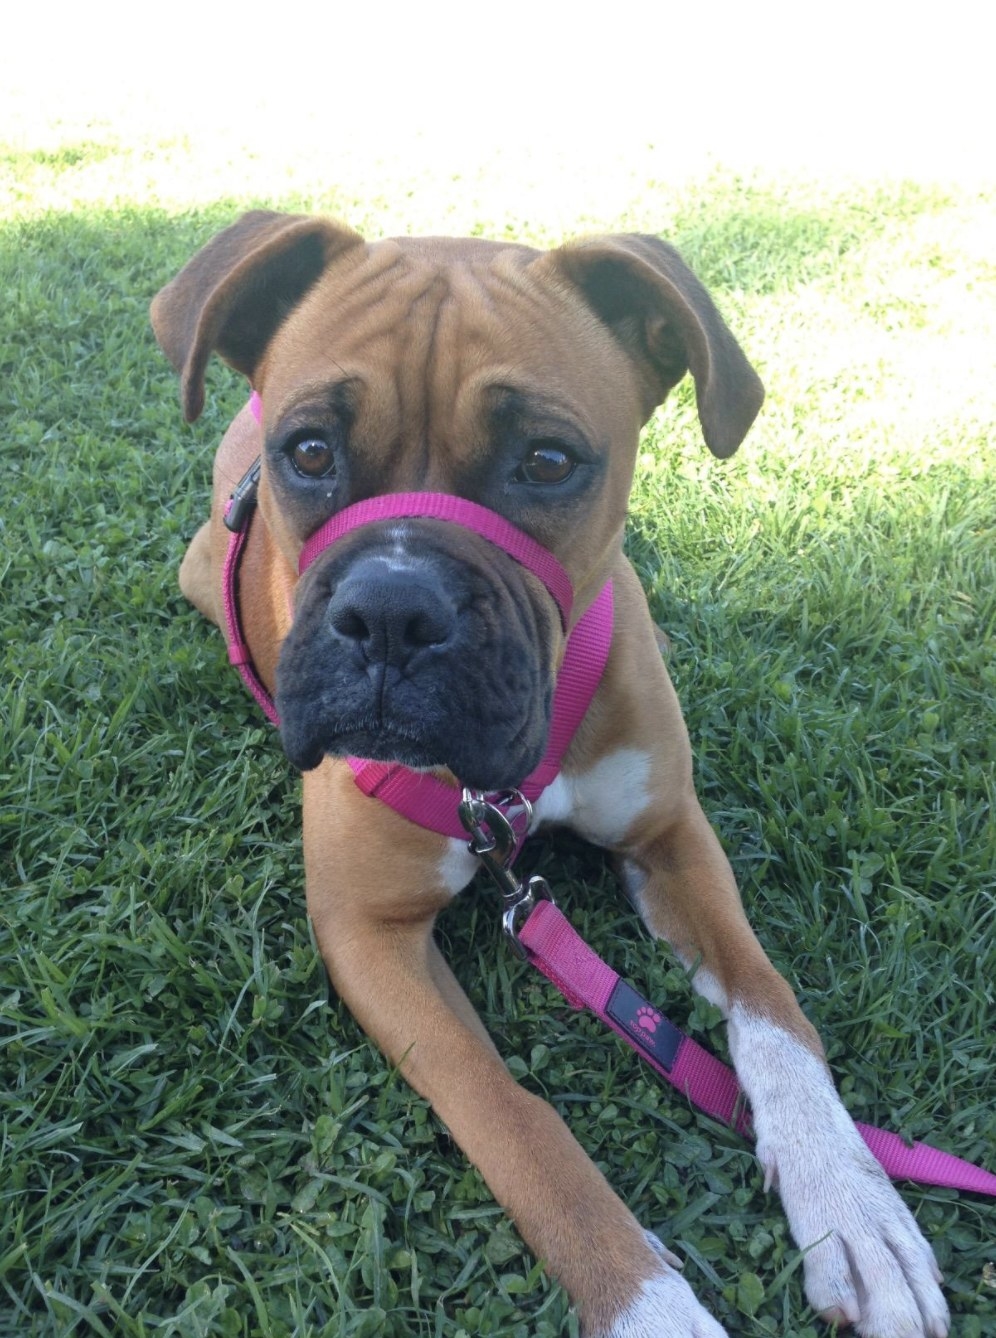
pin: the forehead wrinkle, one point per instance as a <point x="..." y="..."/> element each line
<point x="476" y="337"/>
<point x="382" y="298"/>
<point x="443" y="372"/>
<point x="419" y="330"/>
<point x="497" y="328"/>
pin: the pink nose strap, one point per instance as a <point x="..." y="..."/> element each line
<point x="443" y="506"/>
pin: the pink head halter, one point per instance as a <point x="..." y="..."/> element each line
<point x="444" y="506"/>
<point x="422" y="798"/>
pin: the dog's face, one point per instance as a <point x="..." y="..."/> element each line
<point x="513" y="378"/>
<point x="445" y="367"/>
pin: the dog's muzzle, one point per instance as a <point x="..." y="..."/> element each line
<point x="414" y="642"/>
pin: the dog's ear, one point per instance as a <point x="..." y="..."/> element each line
<point x="234" y="294"/>
<point x="663" y="316"/>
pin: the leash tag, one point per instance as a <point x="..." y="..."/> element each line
<point x="643" y="1025"/>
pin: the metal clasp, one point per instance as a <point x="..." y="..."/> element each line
<point x="243" y="498"/>
<point x="494" y="841"/>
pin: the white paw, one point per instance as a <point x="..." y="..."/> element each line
<point x="866" y="1262"/>
<point x="665" y="1307"/>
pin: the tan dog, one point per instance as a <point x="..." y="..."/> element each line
<point x="519" y="380"/>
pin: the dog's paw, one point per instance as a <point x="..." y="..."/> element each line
<point x="866" y="1262"/>
<point x="664" y="1307"/>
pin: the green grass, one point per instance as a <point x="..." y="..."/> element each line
<point x="194" y="1139"/>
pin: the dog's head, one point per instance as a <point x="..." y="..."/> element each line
<point x="514" y="378"/>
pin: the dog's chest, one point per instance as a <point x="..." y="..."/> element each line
<point x="599" y="804"/>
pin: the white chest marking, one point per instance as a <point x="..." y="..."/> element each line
<point x="457" y="867"/>
<point x="602" y="802"/>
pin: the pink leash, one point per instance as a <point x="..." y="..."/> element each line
<point x="546" y="937"/>
<point x="586" y="981"/>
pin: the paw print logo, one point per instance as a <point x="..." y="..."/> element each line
<point x="648" y="1019"/>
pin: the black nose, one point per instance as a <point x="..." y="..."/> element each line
<point x="389" y="614"/>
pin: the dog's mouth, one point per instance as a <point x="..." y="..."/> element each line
<point x="376" y="742"/>
<point x="400" y="746"/>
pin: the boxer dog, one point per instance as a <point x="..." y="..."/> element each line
<point x="517" y="381"/>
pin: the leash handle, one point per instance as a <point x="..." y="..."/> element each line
<point x="586" y="981"/>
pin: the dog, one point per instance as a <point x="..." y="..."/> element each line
<point x="517" y="382"/>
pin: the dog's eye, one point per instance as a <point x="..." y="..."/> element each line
<point x="313" y="458"/>
<point x="546" y="462"/>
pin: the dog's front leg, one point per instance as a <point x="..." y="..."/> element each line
<point x="375" y="884"/>
<point x="866" y="1262"/>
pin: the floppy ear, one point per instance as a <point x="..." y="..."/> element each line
<point x="235" y="293"/>
<point x="664" y="318"/>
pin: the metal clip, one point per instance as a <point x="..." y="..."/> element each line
<point x="494" y="842"/>
<point x="243" y="499"/>
<point x="535" y="890"/>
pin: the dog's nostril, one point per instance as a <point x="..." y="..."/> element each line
<point x="349" y="624"/>
<point x="410" y="629"/>
<point x="428" y="628"/>
<point x="385" y="619"/>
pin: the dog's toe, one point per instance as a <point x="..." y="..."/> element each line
<point x="659" y="1248"/>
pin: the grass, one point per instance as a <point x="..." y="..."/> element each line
<point x="196" y="1140"/>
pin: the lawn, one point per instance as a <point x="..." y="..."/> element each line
<point x="196" y="1138"/>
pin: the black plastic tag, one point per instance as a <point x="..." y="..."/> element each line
<point x="641" y="1021"/>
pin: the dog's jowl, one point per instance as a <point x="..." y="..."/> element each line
<point x="424" y="637"/>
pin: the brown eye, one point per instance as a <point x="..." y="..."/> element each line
<point x="547" y="462"/>
<point x="313" y="458"/>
